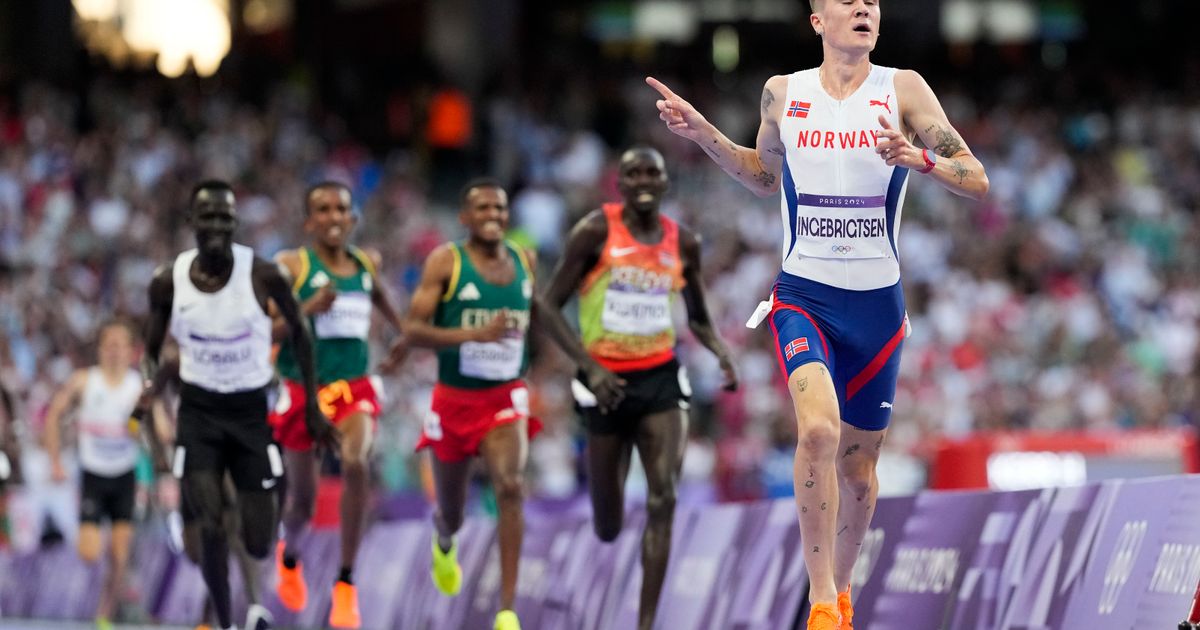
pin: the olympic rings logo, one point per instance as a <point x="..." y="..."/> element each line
<point x="842" y="249"/>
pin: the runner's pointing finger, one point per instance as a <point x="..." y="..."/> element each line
<point x="662" y="89"/>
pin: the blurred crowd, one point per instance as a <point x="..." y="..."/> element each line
<point x="1066" y="300"/>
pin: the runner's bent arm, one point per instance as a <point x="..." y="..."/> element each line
<point x="381" y="298"/>
<point x="579" y="254"/>
<point x="268" y="276"/>
<point x="162" y="294"/>
<point x="601" y="381"/>
<point x="699" y="320"/>
<point x="758" y="168"/>
<point x="957" y="169"/>
<point x="418" y="325"/>
<point x="62" y="401"/>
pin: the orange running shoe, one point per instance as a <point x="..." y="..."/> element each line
<point x="823" y="617"/>
<point x="344" y="613"/>
<point x="846" y="609"/>
<point x="292" y="591"/>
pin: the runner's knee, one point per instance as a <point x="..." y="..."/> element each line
<point x="857" y="473"/>
<point x="509" y="487"/>
<point x="89" y="547"/>
<point x="258" y="522"/>
<point x="660" y="504"/>
<point x="816" y="436"/>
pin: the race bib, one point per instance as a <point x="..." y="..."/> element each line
<point x="349" y="317"/>
<point x="842" y="232"/>
<point x="634" y="313"/>
<point x="492" y="361"/>
<point x="432" y="426"/>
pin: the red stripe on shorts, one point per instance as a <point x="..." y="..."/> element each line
<point x="876" y="364"/>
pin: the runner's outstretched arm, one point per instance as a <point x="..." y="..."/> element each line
<point x="759" y="168"/>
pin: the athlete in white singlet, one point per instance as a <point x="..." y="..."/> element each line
<point x="836" y="141"/>
<point x="105" y="395"/>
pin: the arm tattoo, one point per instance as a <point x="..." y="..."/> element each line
<point x="767" y="99"/>
<point x="802" y="385"/>
<point x="766" y="179"/>
<point x="844" y="528"/>
<point x="850" y="451"/>
<point x="948" y="143"/>
<point x="709" y="150"/>
<point x="960" y="171"/>
<point x="775" y="150"/>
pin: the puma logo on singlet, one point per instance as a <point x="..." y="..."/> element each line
<point x="884" y="103"/>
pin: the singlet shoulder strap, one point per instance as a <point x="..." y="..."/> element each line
<point x="363" y="259"/>
<point x="305" y="267"/>
<point x="455" y="274"/>
<point x="521" y="256"/>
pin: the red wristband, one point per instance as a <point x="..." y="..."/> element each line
<point x="930" y="161"/>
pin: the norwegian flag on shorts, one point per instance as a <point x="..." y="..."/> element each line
<point x="795" y="347"/>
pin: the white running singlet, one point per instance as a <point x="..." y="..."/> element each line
<point x="106" y="447"/>
<point x="224" y="337"/>
<point x="840" y="200"/>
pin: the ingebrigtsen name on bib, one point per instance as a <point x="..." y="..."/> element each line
<point x="830" y="227"/>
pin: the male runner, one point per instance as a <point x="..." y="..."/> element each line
<point x="158" y="436"/>
<point x="337" y="285"/>
<point x="837" y="142"/>
<point x="474" y="305"/>
<point x="629" y="262"/>
<point x="105" y="395"/>
<point x="214" y="299"/>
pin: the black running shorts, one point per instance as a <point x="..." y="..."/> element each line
<point x="227" y="433"/>
<point x="646" y="392"/>
<point x="106" y="497"/>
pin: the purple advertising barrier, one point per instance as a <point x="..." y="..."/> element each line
<point x="771" y="581"/>
<point x="390" y="554"/>
<point x="1142" y="568"/>
<point x="182" y="601"/>
<point x="67" y="587"/>
<point x="534" y="578"/>
<point x="1044" y="557"/>
<point x="149" y="566"/>
<point x="918" y="587"/>
<point x="977" y="605"/>
<point x="616" y="565"/>
<point x="701" y="567"/>
<point x="434" y="611"/>
<point x="8" y="586"/>
<point x="877" y="553"/>
<point x="629" y="593"/>
<point x="574" y="533"/>
<point x="588" y="574"/>
<point x="18" y="584"/>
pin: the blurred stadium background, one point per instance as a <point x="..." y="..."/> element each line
<point x="1055" y="333"/>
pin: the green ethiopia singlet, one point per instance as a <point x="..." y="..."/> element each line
<point x="472" y="302"/>
<point x="341" y="332"/>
